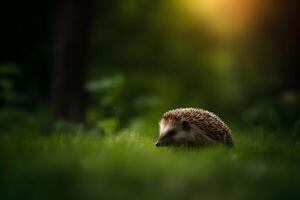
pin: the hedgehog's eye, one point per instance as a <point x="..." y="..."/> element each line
<point x="171" y="133"/>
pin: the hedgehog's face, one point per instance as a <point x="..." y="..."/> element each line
<point x="175" y="133"/>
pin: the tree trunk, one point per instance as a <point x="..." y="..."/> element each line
<point x="291" y="46"/>
<point x="72" y="34"/>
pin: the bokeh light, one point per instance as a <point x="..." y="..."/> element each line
<point x="228" y="18"/>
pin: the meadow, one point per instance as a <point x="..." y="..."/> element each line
<point x="263" y="164"/>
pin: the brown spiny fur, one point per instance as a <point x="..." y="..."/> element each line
<point x="206" y="121"/>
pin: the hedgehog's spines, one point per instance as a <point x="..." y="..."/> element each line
<point x="204" y="120"/>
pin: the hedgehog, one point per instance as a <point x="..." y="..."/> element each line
<point x="192" y="127"/>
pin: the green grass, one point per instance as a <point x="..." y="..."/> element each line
<point x="263" y="165"/>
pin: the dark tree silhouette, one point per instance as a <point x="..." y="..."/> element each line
<point x="72" y="34"/>
<point x="291" y="46"/>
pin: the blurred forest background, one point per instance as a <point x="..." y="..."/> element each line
<point x="124" y="63"/>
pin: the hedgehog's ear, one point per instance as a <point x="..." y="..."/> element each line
<point x="186" y="125"/>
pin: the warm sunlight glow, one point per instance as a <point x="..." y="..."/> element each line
<point x="227" y="17"/>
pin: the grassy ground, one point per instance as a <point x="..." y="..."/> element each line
<point x="263" y="165"/>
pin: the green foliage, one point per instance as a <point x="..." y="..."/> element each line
<point x="18" y="122"/>
<point x="263" y="165"/>
<point x="8" y="92"/>
<point x="147" y="56"/>
<point x="275" y="112"/>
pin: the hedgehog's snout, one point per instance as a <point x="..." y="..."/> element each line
<point x="157" y="144"/>
<point x="163" y="142"/>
